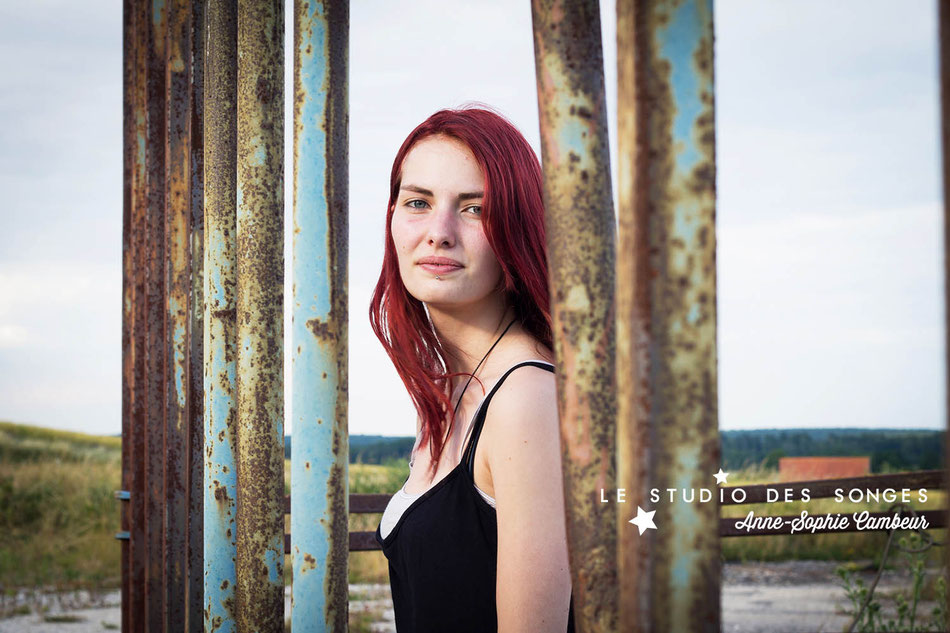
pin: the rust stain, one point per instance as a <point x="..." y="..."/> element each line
<point x="259" y="318"/>
<point x="580" y="241"/>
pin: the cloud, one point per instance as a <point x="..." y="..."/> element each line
<point x="832" y="320"/>
<point x="13" y="336"/>
<point x="828" y="210"/>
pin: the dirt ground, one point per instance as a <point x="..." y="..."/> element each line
<point x="791" y="597"/>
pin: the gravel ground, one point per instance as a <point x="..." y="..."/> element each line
<point x="792" y="597"/>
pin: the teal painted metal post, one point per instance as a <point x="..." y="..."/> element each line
<point x="260" y="293"/>
<point x="669" y="430"/>
<point x="220" y="331"/>
<point x="319" y="497"/>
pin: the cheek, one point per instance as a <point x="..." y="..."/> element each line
<point x="400" y="235"/>
<point x="487" y="256"/>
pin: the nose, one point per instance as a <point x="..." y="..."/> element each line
<point x="442" y="227"/>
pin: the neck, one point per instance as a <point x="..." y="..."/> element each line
<point x="467" y="333"/>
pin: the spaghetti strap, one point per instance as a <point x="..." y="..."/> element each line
<point x="468" y="457"/>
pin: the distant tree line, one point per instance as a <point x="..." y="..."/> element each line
<point x="372" y="449"/>
<point x="901" y="449"/>
<point x="895" y="449"/>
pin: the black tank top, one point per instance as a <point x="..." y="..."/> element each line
<point x="443" y="550"/>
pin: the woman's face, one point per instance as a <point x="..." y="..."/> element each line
<point x="438" y="214"/>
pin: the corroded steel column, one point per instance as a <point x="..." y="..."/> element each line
<point x="580" y="241"/>
<point x="128" y="285"/>
<point x="138" y="491"/>
<point x="155" y="346"/>
<point x="178" y="290"/>
<point x="220" y="332"/>
<point x="260" y="268"/>
<point x="943" y="11"/>
<point x="194" y="586"/>
<point x="319" y="498"/>
<point x="160" y="458"/>
<point x="668" y="435"/>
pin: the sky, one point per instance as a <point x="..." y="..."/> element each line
<point x="829" y="230"/>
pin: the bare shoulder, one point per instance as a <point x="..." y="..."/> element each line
<point x="524" y="387"/>
<point x="522" y="411"/>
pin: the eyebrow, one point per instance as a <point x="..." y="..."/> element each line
<point x="426" y="192"/>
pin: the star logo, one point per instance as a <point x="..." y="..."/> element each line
<point x="644" y="520"/>
<point x="720" y="476"/>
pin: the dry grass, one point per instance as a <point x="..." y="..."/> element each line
<point x="58" y="512"/>
<point x="59" y="517"/>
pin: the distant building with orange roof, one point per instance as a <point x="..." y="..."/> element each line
<point x="807" y="468"/>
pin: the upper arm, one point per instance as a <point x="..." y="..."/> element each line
<point x="524" y="458"/>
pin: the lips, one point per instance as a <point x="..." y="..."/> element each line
<point x="440" y="269"/>
<point x="439" y="265"/>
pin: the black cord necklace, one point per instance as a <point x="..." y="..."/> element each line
<point x="459" y="401"/>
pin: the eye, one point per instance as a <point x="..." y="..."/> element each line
<point x="409" y="203"/>
<point x="476" y="208"/>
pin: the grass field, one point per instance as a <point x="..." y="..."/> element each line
<point x="58" y="512"/>
<point x="59" y="516"/>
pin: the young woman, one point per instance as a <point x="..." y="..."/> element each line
<point x="476" y="538"/>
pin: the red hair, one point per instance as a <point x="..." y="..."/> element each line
<point x="513" y="221"/>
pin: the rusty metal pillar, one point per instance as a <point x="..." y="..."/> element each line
<point x="136" y="376"/>
<point x="260" y="277"/>
<point x="128" y="293"/>
<point x="943" y="18"/>
<point x="194" y="586"/>
<point x="668" y="435"/>
<point x="162" y="211"/>
<point x="178" y="291"/>
<point x="581" y="242"/>
<point x="220" y="332"/>
<point x="155" y="306"/>
<point x="319" y="498"/>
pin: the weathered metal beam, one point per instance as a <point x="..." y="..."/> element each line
<point x="668" y="425"/>
<point x="194" y="585"/>
<point x="177" y="295"/>
<point x="220" y="324"/>
<point x="260" y="276"/>
<point x="155" y="347"/>
<point x="138" y="543"/>
<point x="580" y="242"/>
<point x="319" y="520"/>
<point x="128" y="288"/>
